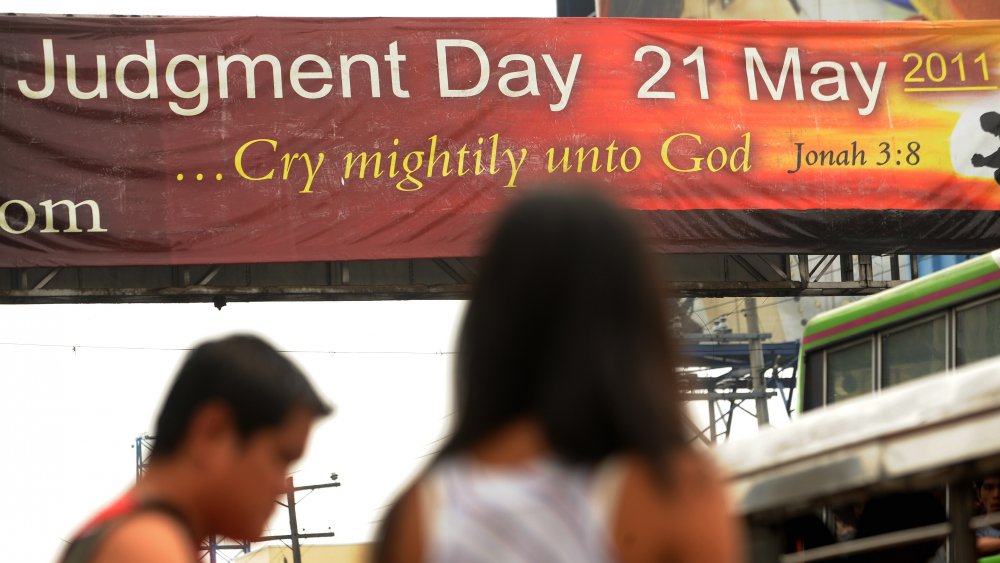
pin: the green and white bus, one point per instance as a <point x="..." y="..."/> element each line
<point x="936" y="323"/>
<point x="879" y="464"/>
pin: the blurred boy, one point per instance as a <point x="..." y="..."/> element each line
<point x="988" y="494"/>
<point x="237" y="416"/>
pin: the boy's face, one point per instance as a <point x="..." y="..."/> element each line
<point x="989" y="494"/>
<point x="251" y="476"/>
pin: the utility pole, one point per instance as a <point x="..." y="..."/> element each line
<point x="757" y="363"/>
<point x="294" y="536"/>
<point x="720" y="347"/>
<point x="293" y="523"/>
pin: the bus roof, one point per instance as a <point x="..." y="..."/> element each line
<point x="959" y="283"/>
<point x="918" y="428"/>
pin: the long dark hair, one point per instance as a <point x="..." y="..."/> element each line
<point x="567" y="325"/>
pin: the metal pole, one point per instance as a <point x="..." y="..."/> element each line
<point x="756" y="362"/>
<point x="292" y="522"/>
<point x="865" y="271"/>
<point x="711" y="420"/>
<point x="962" y="540"/>
<point x="846" y="267"/>
<point x="138" y="458"/>
<point x="729" y="417"/>
<point x="213" y="546"/>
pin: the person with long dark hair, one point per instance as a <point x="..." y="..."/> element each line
<point x="568" y="444"/>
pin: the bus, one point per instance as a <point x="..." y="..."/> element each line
<point x="887" y="477"/>
<point x="940" y="322"/>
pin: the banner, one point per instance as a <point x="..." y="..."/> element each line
<point x="957" y="9"/>
<point x="131" y="141"/>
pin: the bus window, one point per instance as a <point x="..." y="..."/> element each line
<point x="977" y="332"/>
<point x="849" y="372"/>
<point x="913" y="352"/>
<point x="813" y="390"/>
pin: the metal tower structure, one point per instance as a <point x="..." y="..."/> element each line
<point x="757" y="372"/>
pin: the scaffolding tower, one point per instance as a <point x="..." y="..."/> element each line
<point x="757" y="372"/>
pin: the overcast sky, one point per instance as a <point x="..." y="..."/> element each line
<point x="79" y="383"/>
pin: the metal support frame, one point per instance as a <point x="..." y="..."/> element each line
<point x="958" y="530"/>
<point x="757" y="363"/>
<point x="824" y="262"/>
<point x="725" y="394"/>
<point x="143" y="447"/>
<point x="962" y="543"/>
<point x="436" y="278"/>
<point x="804" y="275"/>
<point x="866" y="545"/>
<point x="894" y="267"/>
<point x="846" y="267"/>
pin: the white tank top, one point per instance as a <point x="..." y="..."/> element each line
<point x="544" y="511"/>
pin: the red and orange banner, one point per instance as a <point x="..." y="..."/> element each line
<point x="127" y="141"/>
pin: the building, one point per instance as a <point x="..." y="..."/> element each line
<point x="346" y="553"/>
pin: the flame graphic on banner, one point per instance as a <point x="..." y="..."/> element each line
<point x="958" y="9"/>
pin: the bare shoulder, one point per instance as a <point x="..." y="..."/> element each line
<point x="400" y="537"/>
<point x="694" y="471"/>
<point x="685" y="516"/>
<point x="146" y="538"/>
<point x="690" y="475"/>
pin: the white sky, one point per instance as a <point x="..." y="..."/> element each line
<point x="79" y="383"/>
<point x="69" y="417"/>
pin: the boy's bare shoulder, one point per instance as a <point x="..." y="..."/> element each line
<point x="148" y="537"/>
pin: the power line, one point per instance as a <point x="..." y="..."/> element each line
<point x="74" y="347"/>
<point x="736" y="307"/>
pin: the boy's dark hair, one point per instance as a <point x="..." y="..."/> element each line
<point x="567" y="325"/>
<point x="978" y="483"/>
<point x="258" y="384"/>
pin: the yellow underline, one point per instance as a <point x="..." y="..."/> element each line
<point x="950" y="89"/>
